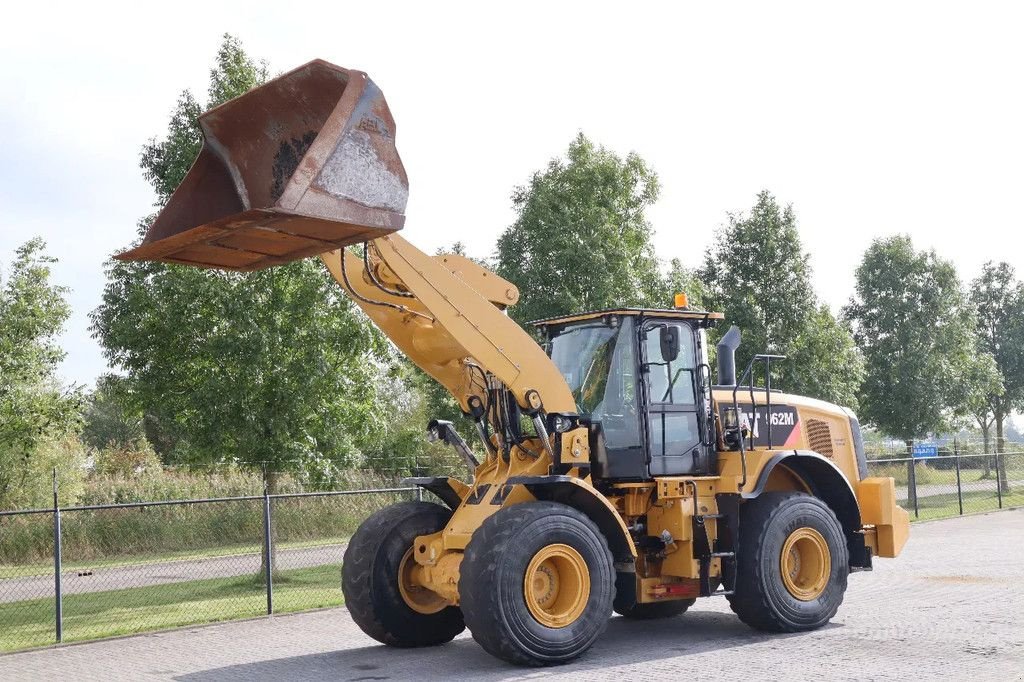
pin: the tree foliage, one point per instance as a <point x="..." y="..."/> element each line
<point x="275" y="366"/>
<point x="911" y="321"/>
<point x="581" y="240"/>
<point x="35" y="410"/>
<point x="758" y="274"/>
<point x="112" y="415"/>
<point x="981" y="384"/>
<point x="165" y="161"/>
<point x="680" y="279"/>
<point x="998" y="301"/>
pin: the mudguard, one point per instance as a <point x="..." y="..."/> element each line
<point x="580" y="495"/>
<point x="829" y="484"/>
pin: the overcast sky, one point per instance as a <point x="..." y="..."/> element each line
<point x="870" y="118"/>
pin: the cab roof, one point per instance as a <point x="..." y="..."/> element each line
<point x="678" y="314"/>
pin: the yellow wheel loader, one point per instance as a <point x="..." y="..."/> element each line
<point x="616" y="473"/>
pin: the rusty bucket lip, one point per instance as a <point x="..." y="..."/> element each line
<point x="207" y="235"/>
<point x="283" y="76"/>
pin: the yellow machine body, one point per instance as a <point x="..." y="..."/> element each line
<point x="277" y="181"/>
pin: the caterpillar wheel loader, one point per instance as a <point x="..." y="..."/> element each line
<point x="616" y="473"/>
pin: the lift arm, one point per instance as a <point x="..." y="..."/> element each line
<point x="453" y="325"/>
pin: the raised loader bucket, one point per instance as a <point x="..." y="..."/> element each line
<point x="301" y="165"/>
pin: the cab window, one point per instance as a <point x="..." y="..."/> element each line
<point x="671" y="382"/>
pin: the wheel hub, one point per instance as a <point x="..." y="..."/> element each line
<point x="556" y="585"/>
<point x="417" y="597"/>
<point x="806" y="564"/>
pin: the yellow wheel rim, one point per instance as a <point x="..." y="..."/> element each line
<point x="806" y="564"/>
<point x="417" y="597"/>
<point x="557" y="585"/>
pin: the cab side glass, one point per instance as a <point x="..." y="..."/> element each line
<point x="671" y="379"/>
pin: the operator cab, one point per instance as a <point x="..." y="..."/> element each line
<point x="642" y="384"/>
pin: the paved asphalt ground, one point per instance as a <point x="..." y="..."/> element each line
<point x="949" y="608"/>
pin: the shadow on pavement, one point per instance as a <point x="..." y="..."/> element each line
<point x="624" y="642"/>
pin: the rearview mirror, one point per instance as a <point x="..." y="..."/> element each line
<point x="669" y="339"/>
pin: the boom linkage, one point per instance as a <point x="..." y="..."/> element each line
<point x="446" y="313"/>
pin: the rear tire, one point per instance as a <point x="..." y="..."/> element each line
<point x="370" y="578"/>
<point x="537" y="583"/>
<point x="793" y="563"/>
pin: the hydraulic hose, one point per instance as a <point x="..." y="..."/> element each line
<point x="373" y="276"/>
<point x="370" y="301"/>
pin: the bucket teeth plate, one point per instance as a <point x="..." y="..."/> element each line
<point x="303" y="164"/>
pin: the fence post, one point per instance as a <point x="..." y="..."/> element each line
<point x="959" y="488"/>
<point x="999" y="478"/>
<point x="268" y="565"/>
<point x="57" y="580"/>
<point x="912" y="486"/>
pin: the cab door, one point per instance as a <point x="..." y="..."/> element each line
<point x="672" y="397"/>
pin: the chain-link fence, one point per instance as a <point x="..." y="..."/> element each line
<point x="99" y="570"/>
<point x="102" y="569"/>
<point x="953" y="484"/>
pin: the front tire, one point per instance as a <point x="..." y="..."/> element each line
<point x="793" y="563"/>
<point x="537" y="584"/>
<point x="376" y="563"/>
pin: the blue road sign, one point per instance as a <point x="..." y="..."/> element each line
<point x="925" y="450"/>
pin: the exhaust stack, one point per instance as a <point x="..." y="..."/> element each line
<point x="727" y="357"/>
<point x="303" y="164"/>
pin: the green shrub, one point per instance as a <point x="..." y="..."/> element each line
<point x="127" y="460"/>
<point x="154" y="530"/>
<point x="923" y="473"/>
<point x="33" y="483"/>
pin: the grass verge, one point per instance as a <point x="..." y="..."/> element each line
<point x="94" y="615"/>
<point x="946" y="505"/>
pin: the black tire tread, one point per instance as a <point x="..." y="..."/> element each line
<point x="357" y="582"/>
<point x="749" y="602"/>
<point x="480" y="604"/>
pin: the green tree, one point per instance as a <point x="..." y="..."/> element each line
<point x="273" y="367"/>
<point x="998" y="301"/>
<point x="459" y="249"/>
<point x="912" y="323"/>
<point x="36" y="412"/>
<point x="758" y="274"/>
<point x="165" y="162"/>
<point x="981" y="383"/>
<point x="112" y="415"/>
<point x="680" y="279"/>
<point x="825" y="361"/>
<point x="581" y="240"/>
